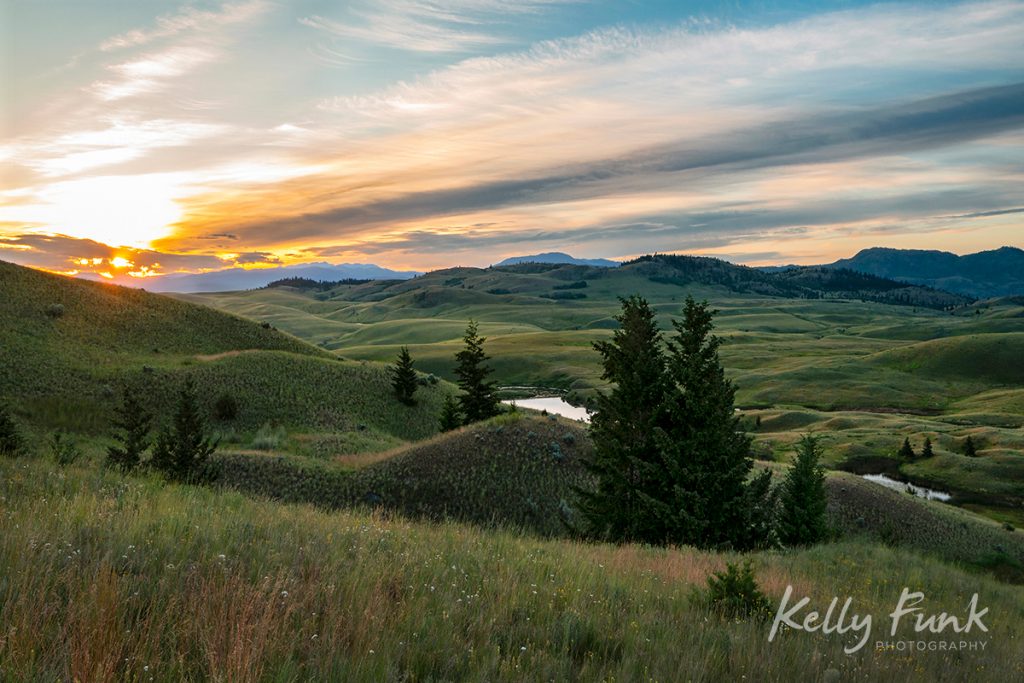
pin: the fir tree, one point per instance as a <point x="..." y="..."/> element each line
<point x="626" y="460"/>
<point x="906" y="450"/>
<point x="704" y="497"/>
<point x="802" y="518"/>
<point x="478" y="400"/>
<point x="11" y="441"/>
<point x="403" y="378"/>
<point x="970" y="450"/>
<point x="132" y="433"/>
<point x="927" y="451"/>
<point x="451" y="418"/>
<point x="182" y="448"/>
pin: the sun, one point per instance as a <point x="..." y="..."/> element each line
<point x="129" y="211"/>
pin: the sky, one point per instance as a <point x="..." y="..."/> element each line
<point x="147" y="137"/>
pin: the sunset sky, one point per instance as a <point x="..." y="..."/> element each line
<point x="152" y="137"/>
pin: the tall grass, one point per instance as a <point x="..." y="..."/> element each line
<point x="107" y="578"/>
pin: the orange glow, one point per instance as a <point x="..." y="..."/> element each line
<point x="120" y="262"/>
<point x="107" y="275"/>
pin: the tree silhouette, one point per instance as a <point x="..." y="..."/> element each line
<point x="131" y="423"/>
<point x="478" y="400"/>
<point x="182" y="448"/>
<point x="802" y="518"/>
<point x="403" y="378"/>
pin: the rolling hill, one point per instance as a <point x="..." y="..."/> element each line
<point x="68" y="345"/>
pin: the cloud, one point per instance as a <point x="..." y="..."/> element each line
<point x="425" y="26"/>
<point x="892" y="130"/>
<point x="190" y="19"/>
<point x="74" y="256"/>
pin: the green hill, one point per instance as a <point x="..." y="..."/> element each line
<point x="995" y="358"/>
<point x="68" y="345"/>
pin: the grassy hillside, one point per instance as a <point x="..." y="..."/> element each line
<point x="112" y="578"/>
<point x="69" y="345"/>
<point x="519" y="472"/>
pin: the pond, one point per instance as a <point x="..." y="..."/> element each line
<point x="552" y="404"/>
<point x="920" y="491"/>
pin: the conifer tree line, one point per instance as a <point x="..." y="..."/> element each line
<point x="670" y="460"/>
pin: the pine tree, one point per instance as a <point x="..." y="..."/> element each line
<point x="906" y="450"/>
<point x="12" y="443"/>
<point x="705" y="452"/>
<point x="626" y="460"/>
<point x="478" y="400"/>
<point x="451" y="418"/>
<point x="970" y="450"/>
<point x="132" y="424"/>
<point x="403" y="378"/>
<point x="182" y="448"/>
<point x="927" y="451"/>
<point x="802" y="518"/>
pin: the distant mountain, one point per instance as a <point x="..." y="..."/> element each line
<point x="986" y="274"/>
<point x="558" y="257"/>
<point x="233" y="279"/>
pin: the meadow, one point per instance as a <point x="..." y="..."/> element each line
<point x="131" y="579"/>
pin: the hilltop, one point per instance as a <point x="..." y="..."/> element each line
<point x="558" y="257"/>
<point x="986" y="274"/>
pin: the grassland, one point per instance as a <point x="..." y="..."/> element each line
<point x="129" y="579"/>
<point x="66" y="371"/>
<point x="864" y="375"/>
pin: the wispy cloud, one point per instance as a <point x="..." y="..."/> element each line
<point x="189" y="19"/>
<point x="427" y="25"/>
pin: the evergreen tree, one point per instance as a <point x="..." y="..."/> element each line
<point x="451" y="418"/>
<point x="132" y="424"/>
<point x="906" y="450"/>
<point x="626" y="460"/>
<point x="706" y="456"/>
<point x="403" y="378"/>
<point x="478" y="400"/>
<point x="802" y="518"/>
<point x="182" y="448"/>
<point x="970" y="450"/>
<point x="12" y="443"/>
<point x="927" y="451"/>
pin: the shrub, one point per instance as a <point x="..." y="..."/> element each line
<point x="225" y="408"/>
<point x="55" y="310"/>
<point x="11" y="441"/>
<point x="268" y="438"/>
<point x="734" y="593"/>
<point x="63" y="449"/>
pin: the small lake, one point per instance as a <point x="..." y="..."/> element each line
<point x="552" y="404"/>
<point x="919" y="491"/>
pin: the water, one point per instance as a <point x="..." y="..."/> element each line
<point x="553" y="404"/>
<point x="920" y="491"/>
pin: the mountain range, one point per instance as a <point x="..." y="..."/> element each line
<point x="236" y="279"/>
<point x="986" y="274"/>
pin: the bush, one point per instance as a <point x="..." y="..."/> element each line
<point x="11" y="441"/>
<point x="225" y="408"/>
<point x="734" y="593"/>
<point x="63" y="448"/>
<point x="268" y="438"/>
<point x="55" y="310"/>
